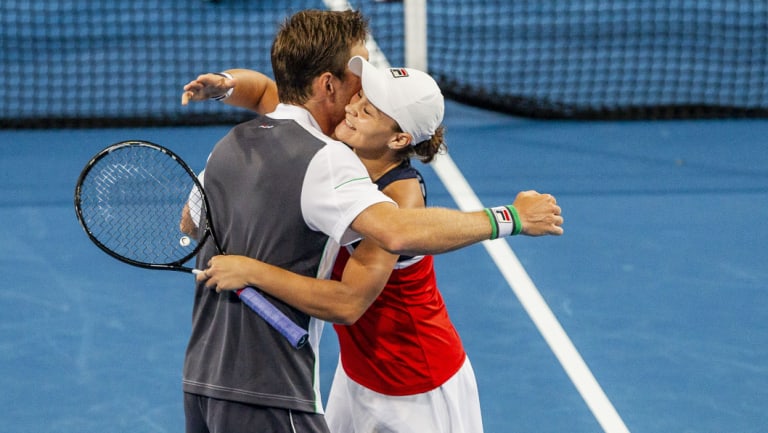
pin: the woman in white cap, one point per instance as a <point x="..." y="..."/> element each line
<point x="402" y="364"/>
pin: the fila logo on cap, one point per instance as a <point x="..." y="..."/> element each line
<point x="398" y="72"/>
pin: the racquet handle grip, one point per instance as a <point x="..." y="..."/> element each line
<point x="294" y="333"/>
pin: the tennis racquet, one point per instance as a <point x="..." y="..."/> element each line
<point x="130" y="199"/>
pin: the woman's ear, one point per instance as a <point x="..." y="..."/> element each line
<point x="400" y="140"/>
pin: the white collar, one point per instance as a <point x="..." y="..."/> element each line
<point x="297" y="113"/>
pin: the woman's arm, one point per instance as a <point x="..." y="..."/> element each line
<point x="365" y="275"/>
<point x="250" y="89"/>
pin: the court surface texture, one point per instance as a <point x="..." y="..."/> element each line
<point x="658" y="290"/>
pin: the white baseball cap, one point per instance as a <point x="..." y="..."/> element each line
<point x="410" y="97"/>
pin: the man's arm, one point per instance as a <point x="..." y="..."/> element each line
<point x="365" y="275"/>
<point x="438" y="230"/>
<point x="187" y="224"/>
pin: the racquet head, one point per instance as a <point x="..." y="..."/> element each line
<point x="142" y="204"/>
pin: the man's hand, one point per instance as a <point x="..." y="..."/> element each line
<point x="205" y="87"/>
<point x="539" y="214"/>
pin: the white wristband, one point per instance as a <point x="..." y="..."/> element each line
<point x="505" y="221"/>
<point x="228" y="93"/>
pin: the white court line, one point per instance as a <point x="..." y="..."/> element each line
<point x="534" y="304"/>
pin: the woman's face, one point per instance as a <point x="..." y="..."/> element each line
<point x="365" y="127"/>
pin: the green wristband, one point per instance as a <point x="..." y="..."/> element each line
<point x="494" y="224"/>
<point x="518" y="224"/>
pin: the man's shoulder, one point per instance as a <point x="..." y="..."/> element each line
<point x="278" y="130"/>
<point x="266" y="123"/>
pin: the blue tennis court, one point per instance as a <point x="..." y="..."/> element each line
<point x="660" y="281"/>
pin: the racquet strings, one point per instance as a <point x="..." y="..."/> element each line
<point x="132" y="201"/>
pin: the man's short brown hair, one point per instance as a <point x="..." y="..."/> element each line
<point x="310" y="43"/>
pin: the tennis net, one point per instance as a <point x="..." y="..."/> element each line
<point x="81" y="63"/>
